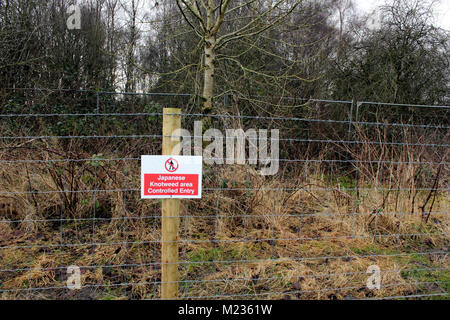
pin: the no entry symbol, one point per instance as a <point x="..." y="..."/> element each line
<point x="171" y="165"/>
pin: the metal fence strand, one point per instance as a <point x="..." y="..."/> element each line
<point x="359" y="187"/>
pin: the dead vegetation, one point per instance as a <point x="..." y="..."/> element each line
<point x="309" y="233"/>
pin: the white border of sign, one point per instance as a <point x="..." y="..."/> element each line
<point x="187" y="165"/>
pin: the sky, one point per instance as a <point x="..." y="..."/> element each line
<point x="442" y="13"/>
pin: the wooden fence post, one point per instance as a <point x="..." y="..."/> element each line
<point x="170" y="221"/>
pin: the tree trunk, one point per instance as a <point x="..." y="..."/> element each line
<point x="208" y="82"/>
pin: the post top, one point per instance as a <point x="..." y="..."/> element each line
<point x="172" y="110"/>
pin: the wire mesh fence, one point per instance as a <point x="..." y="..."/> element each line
<point x="359" y="186"/>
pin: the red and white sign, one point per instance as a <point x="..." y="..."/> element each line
<point x="173" y="177"/>
<point x="171" y="165"/>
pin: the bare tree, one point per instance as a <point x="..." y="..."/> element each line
<point x="343" y="6"/>
<point x="206" y="18"/>
<point x="132" y="35"/>
<point x="111" y="7"/>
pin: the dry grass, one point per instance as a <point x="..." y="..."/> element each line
<point x="305" y="235"/>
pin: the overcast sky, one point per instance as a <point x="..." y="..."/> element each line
<point x="442" y="10"/>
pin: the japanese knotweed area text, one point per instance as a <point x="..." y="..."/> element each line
<point x="171" y="184"/>
<point x="171" y="177"/>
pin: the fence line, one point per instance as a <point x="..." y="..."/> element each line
<point x="174" y="94"/>
<point x="343" y="199"/>
<point x="404" y="125"/>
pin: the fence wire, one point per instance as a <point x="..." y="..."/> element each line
<point x="359" y="184"/>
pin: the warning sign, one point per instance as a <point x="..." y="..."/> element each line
<point x="171" y="165"/>
<point x="175" y="177"/>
